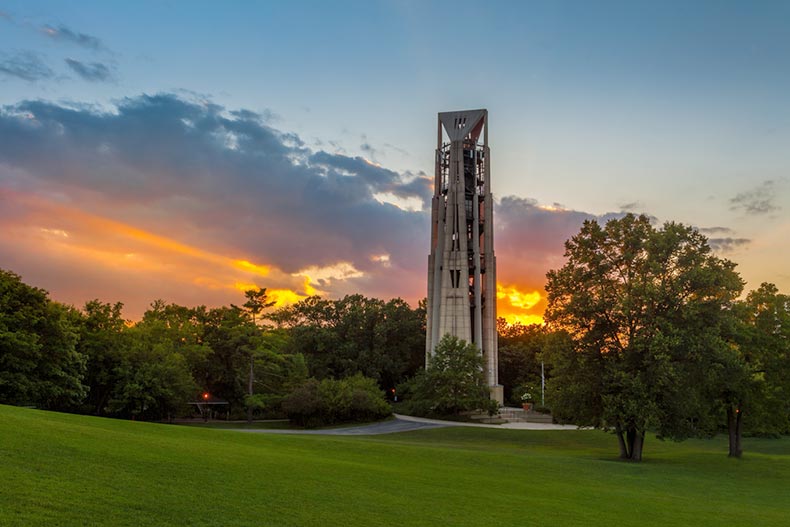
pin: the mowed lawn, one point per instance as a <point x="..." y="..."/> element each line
<point x="59" y="469"/>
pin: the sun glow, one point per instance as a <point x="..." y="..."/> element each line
<point x="517" y="298"/>
<point x="284" y="297"/>
<point x="244" y="265"/>
<point x="524" y="320"/>
<point x="518" y="307"/>
<point x="79" y="239"/>
<point x="245" y="286"/>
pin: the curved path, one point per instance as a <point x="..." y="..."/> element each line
<point x="405" y="423"/>
<point x="383" y="427"/>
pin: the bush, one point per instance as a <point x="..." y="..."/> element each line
<point x="453" y="383"/>
<point x="331" y="401"/>
<point x="304" y="406"/>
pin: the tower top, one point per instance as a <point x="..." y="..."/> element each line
<point x="463" y="123"/>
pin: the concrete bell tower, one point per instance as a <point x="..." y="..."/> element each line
<point x="462" y="265"/>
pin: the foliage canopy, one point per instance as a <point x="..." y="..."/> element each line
<point x="645" y="310"/>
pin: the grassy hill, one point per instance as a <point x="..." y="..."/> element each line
<point x="62" y="469"/>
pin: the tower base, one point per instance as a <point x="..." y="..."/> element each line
<point x="497" y="393"/>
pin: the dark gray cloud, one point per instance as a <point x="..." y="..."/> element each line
<point x="92" y="72"/>
<point x="62" y="33"/>
<point x="336" y="165"/>
<point x="724" y="245"/>
<point x="25" y="65"/>
<point x="757" y="201"/>
<point x="230" y="181"/>
<point x="204" y="175"/>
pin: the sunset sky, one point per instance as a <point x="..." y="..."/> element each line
<point x="189" y="151"/>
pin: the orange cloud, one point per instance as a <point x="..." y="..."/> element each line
<point x="147" y="264"/>
<point x="244" y="265"/>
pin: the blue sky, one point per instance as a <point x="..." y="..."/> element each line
<point x="676" y="109"/>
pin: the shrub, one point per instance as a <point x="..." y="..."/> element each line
<point x="321" y="403"/>
<point x="305" y="406"/>
<point x="453" y="382"/>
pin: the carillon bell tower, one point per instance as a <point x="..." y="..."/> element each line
<point x="462" y="265"/>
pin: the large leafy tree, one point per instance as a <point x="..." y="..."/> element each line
<point x="39" y="363"/>
<point x="644" y="309"/>
<point x="453" y="382"/>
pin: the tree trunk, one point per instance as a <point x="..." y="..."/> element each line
<point x="734" y="430"/>
<point x="102" y="404"/>
<point x="637" y="444"/>
<point x="249" y="389"/>
<point x="631" y="441"/>
<point x="621" y="442"/>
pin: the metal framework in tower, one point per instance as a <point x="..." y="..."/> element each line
<point x="462" y="265"/>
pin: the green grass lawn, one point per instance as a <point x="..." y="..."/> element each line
<point x="60" y="469"/>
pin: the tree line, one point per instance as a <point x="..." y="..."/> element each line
<point x="93" y="361"/>
<point x="646" y="330"/>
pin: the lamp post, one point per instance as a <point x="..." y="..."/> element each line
<point x="542" y="386"/>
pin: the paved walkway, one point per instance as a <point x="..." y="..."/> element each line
<point x="405" y="423"/>
<point x="383" y="427"/>
<point x="506" y="426"/>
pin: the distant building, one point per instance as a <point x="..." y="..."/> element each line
<point x="462" y="265"/>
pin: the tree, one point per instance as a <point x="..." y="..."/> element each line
<point x="381" y="340"/>
<point x="153" y="381"/>
<point x="103" y="340"/>
<point x="231" y="337"/>
<point x="183" y="330"/>
<point x="520" y="348"/>
<point x="39" y="362"/>
<point x="645" y="310"/>
<point x="754" y="374"/>
<point x="257" y="301"/>
<point x="276" y="373"/>
<point x="153" y="363"/>
<point x="453" y="382"/>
